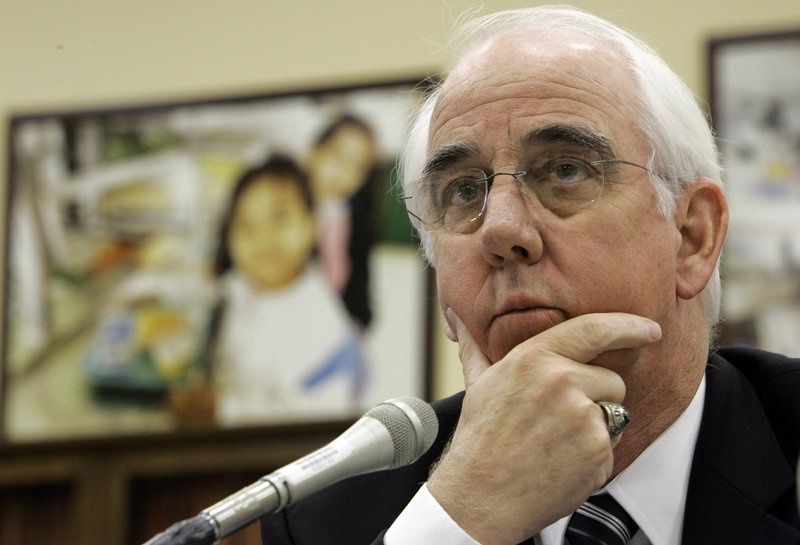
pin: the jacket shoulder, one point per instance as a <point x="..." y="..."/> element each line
<point x="775" y="379"/>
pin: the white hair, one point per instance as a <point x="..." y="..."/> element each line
<point x="682" y="144"/>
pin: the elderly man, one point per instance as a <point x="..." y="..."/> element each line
<point x="566" y="188"/>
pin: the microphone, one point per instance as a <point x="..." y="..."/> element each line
<point x="392" y="434"/>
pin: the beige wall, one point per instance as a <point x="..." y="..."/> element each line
<point x="85" y="53"/>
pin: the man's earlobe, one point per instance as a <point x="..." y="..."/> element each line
<point x="702" y="226"/>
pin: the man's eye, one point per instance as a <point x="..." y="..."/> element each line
<point x="567" y="171"/>
<point x="462" y="191"/>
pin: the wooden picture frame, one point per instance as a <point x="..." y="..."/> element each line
<point x="118" y="299"/>
<point x="755" y="106"/>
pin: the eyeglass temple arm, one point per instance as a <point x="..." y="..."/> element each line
<point x="402" y="201"/>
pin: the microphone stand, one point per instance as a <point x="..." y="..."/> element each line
<point x="193" y="531"/>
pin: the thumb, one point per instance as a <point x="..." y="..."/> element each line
<point x="473" y="361"/>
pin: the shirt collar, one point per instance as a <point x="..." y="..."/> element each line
<point x="653" y="488"/>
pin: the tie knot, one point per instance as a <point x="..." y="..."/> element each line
<point x="600" y="521"/>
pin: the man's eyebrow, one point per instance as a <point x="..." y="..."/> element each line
<point x="549" y="134"/>
<point x="450" y="155"/>
<point x="570" y="134"/>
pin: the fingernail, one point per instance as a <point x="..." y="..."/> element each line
<point x="452" y="324"/>
<point x="654" y="329"/>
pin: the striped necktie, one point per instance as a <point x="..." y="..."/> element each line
<point x="600" y="521"/>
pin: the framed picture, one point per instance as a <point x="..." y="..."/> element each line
<point x="755" y="106"/>
<point x="231" y="262"/>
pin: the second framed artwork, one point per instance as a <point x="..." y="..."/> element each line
<point x="755" y="106"/>
<point x="230" y="262"/>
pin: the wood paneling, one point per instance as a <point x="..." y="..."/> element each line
<point x="123" y="491"/>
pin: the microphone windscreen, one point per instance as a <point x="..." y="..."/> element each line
<point x="412" y="425"/>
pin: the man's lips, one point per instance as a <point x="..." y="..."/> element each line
<point x="522" y="305"/>
<point x="529" y="313"/>
<point x="515" y="325"/>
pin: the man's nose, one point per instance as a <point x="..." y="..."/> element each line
<point x="510" y="229"/>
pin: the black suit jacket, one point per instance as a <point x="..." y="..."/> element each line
<point x="741" y="488"/>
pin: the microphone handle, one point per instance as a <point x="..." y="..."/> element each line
<point x="240" y="509"/>
<point x="358" y="450"/>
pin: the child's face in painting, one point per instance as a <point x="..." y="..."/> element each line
<point x="272" y="233"/>
<point x="339" y="166"/>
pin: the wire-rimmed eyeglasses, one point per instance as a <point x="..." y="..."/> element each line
<point x="456" y="200"/>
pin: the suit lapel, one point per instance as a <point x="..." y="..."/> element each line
<point x="739" y="478"/>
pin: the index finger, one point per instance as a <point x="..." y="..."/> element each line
<point x="585" y="337"/>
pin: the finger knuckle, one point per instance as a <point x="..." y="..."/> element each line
<point x="596" y="329"/>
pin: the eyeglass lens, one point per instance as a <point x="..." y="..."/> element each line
<point x="455" y="200"/>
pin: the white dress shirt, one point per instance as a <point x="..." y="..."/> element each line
<point x="271" y="342"/>
<point x="652" y="490"/>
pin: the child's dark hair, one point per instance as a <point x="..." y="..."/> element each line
<point x="346" y="120"/>
<point x="276" y="166"/>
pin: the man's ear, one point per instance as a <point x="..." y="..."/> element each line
<point x="702" y="222"/>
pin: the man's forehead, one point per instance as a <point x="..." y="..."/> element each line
<point x="528" y="49"/>
<point x="550" y="79"/>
